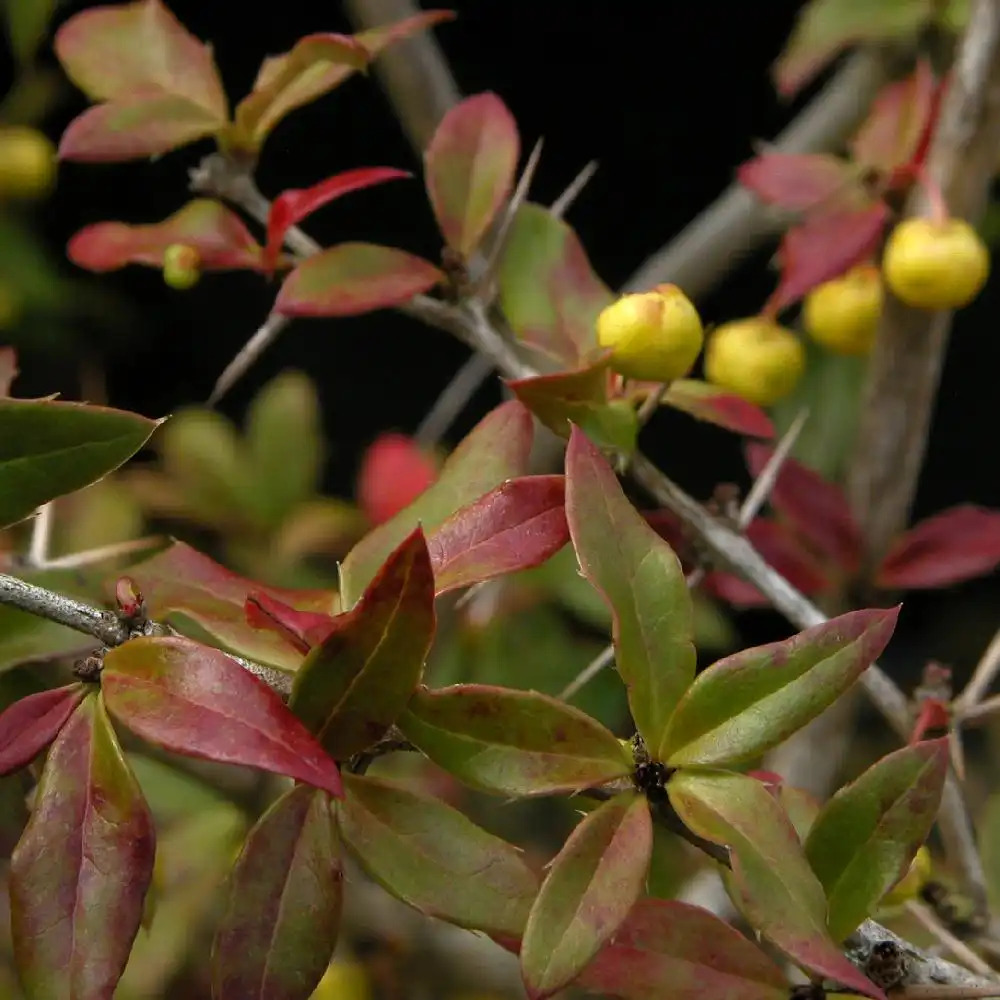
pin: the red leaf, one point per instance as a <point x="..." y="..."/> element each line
<point x="293" y="205"/>
<point x="394" y="472"/>
<point x="815" y="508"/>
<point x="717" y="406"/>
<point x="354" y="278"/>
<point x="196" y="701"/>
<point x="303" y="629"/>
<point x="29" y="725"/>
<point x="518" y="525"/>
<point x="782" y="551"/>
<point x="82" y="868"/>
<point x="470" y="164"/>
<point x="8" y="369"/>
<point x="800" y="181"/>
<point x="825" y="247"/>
<point x="899" y="119"/>
<point x="933" y="718"/>
<point x="958" y="544"/>
<point x="180" y="580"/>
<point x="219" y="236"/>
<point x="669" y="948"/>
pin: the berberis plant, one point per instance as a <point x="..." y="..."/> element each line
<point x="321" y="686"/>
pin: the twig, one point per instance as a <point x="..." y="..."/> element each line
<point x="764" y="483"/>
<point x="603" y="659"/>
<point x="475" y="370"/>
<point x="41" y="537"/>
<point x="905" y="367"/>
<point x="87" y="557"/>
<point x="413" y="72"/>
<point x="248" y="354"/>
<point x="982" y="677"/>
<point x="958" y="948"/>
<point x="736" y="223"/>
<point x="981" y="711"/>
<point x="564" y="202"/>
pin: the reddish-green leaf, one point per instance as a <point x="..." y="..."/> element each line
<point x="8" y="369"/>
<point x="497" y="449"/>
<point x="81" y="870"/>
<point x="182" y="581"/>
<point x="667" y="950"/>
<point x="958" y="544"/>
<point x="195" y="700"/>
<point x="29" y="725"/>
<point x="899" y="117"/>
<point x="160" y="83"/>
<point x="751" y="701"/>
<point x="303" y="629"/>
<point x="49" y="448"/>
<point x="357" y="681"/>
<point x="826" y="27"/>
<point x="354" y="278"/>
<point x="469" y="167"/>
<point x="592" y="884"/>
<point x="865" y="837"/>
<point x="295" y="204"/>
<point x="548" y="290"/>
<point x="800" y="181"/>
<point x="284" y="899"/>
<point x="434" y="858"/>
<point x="518" y="525"/>
<point x="218" y="235"/>
<point x="641" y="579"/>
<point x="394" y="471"/>
<point x="817" y="509"/>
<point x="783" y="551"/>
<point x="513" y="742"/>
<point x="580" y="396"/>
<point x="315" y="65"/>
<point x="777" y="889"/>
<point x="716" y="406"/>
<point x="825" y="247"/>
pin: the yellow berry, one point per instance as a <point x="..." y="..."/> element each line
<point x="934" y="264"/>
<point x="654" y="336"/>
<point x="27" y="162"/>
<point x="843" y="314"/>
<point x="909" y="886"/>
<point x="344" y="980"/>
<point x="181" y="266"/>
<point x="755" y="358"/>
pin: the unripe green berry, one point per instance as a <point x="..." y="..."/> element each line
<point x="181" y="266"/>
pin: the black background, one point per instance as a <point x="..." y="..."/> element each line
<point x="668" y="97"/>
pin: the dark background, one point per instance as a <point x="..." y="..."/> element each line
<point x="669" y="97"/>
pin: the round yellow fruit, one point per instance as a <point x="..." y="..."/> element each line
<point x="843" y="314"/>
<point x="27" y="162"/>
<point x="181" y="266"/>
<point x="935" y="264"/>
<point x="755" y="358"/>
<point x="654" y="336"/>
<point x="344" y="980"/>
<point x="909" y="886"/>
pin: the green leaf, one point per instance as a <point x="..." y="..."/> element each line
<point x="26" y="638"/>
<point x="865" y="837"/>
<point x="753" y="700"/>
<point x="776" y="888"/>
<point x="548" y="290"/>
<point x="283" y="910"/>
<point x="641" y="579"/>
<point x="826" y="27"/>
<point x="513" y="742"/>
<point x="285" y="410"/>
<point x="590" y="888"/>
<point x="357" y="681"/>
<point x="27" y="23"/>
<point x="469" y="168"/>
<point x="49" y="449"/>
<point x="497" y="449"/>
<point x="81" y="870"/>
<point x="430" y="856"/>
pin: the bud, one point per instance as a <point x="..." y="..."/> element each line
<point x="654" y="336"/>
<point x="181" y="266"/>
